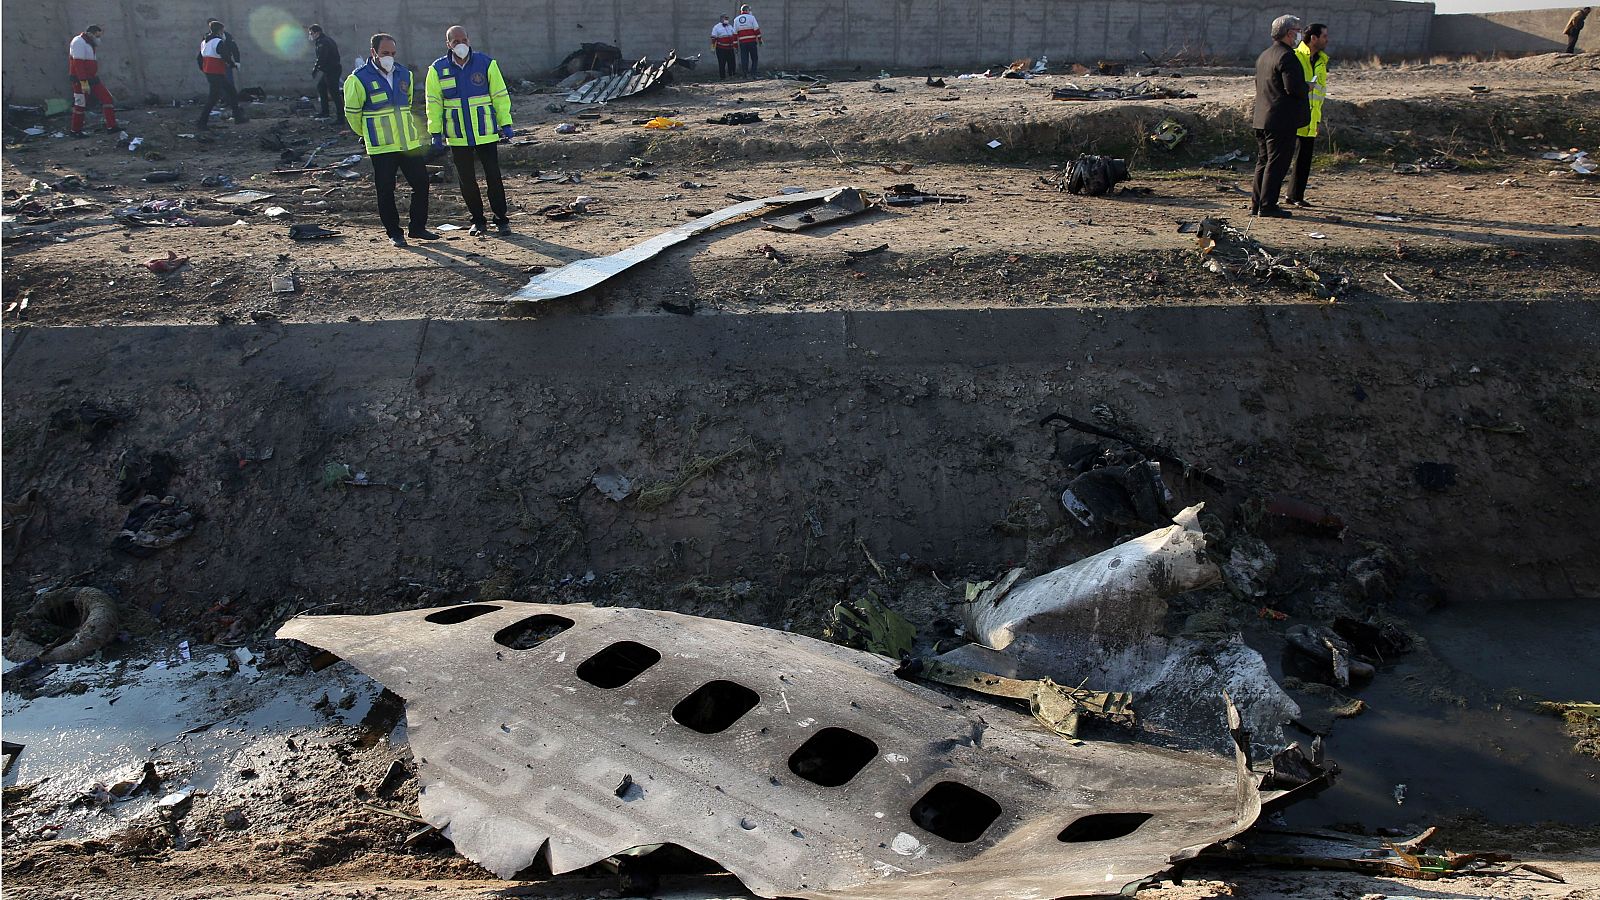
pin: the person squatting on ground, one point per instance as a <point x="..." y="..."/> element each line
<point x="1575" y="28"/>
<point x="83" y="67"/>
<point x="327" y="69"/>
<point x="748" y="32"/>
<point x="1313" y="55"/>
<point x="210" y="61"/>
<point x="1282" y="108"/>
<point x="725" y="41"/>
<point x="469" y="108"/>
<point x="377" y="106"/>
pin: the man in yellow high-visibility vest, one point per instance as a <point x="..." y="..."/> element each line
<point x="377" y="106"/>
<point x="469" y="108"/>
<point x="1313" y="57"/>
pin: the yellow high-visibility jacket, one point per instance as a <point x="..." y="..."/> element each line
<point x="468" y="102"/>
<point x="380" y="110"/>
<point x="1317" y="80"/>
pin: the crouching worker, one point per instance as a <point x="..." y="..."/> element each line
<point x="377" y="106"/>
<point x="469" y="108"/>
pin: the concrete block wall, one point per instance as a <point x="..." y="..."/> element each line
<point x="150" y="46"/>
<point x="1524" y="31"/>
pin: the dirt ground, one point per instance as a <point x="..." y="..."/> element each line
<point x="1501" y="227"/>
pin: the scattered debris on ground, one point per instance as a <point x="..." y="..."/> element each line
<point x="1144" y="90"/>
<point x="1232" y="253"/>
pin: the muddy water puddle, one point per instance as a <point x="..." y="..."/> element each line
<point x="196" y="715"/>
<point x="1469" y="739"/>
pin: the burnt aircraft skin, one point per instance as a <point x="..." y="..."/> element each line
<point x="804" y="768"/>
<point x="643" y="76"/>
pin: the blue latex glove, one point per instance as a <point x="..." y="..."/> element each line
<point x="505" y="132"/>
<point x="438" y="142"/>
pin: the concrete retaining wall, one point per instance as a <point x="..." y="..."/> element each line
<point x="916" y="431"/>
<point x="150" y="46"/>
<point x="1524" y="31"/>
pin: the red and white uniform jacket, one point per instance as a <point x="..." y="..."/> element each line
<point x="746" y="28"/>
<point x="81" y="62"/>
<point x="211" y="61"/>
<point x="723" y="37"/>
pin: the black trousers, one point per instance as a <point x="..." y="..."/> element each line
<point x="384" y="168"/>
<point x="1273" y="153"/>
<point x="328" y="90"/>
<point x="1572" y="43"/>
<point x="220" y="89"/>
<point x="749" y="53"/>
<point x="727" y="62"/>
<point x="1303" y="148"/>
<point x="488" y="156"/>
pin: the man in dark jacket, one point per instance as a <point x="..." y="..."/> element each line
<point x="1283" y="106"/>
<point x="327" y="71"/>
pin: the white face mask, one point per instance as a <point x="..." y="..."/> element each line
<point x="386" y="63"/>
<point x="462" y="50"/>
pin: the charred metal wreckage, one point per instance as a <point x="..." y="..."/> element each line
<point x="804" y="768"/>
<point x="642" y="76"/>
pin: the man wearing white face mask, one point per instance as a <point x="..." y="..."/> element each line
<point x="469" y="108"/>
<point x="377" y="106"/>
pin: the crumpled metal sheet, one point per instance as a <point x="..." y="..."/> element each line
<point x="839" y="205"/>
<point x="1114" y="594"/>
<point x="587" y="273"/>
<point x="520" y="752"/>
<point x="641" y="77"/>
<point x="1101" y="619"/>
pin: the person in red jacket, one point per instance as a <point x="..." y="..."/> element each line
<point x="748" y="32"/>
<point x="83" y="67"/>
<point x="215" y="67"/>
<point x="725" y="41"/>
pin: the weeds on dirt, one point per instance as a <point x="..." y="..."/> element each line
<point x="1175" y="174"/>
<point x="1583" y="724"/>
<point x="1453" y="149"/>
<point x="1334" y="159"/>
<point x="1138" y="151"/>
<point x="661" y="493"/>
